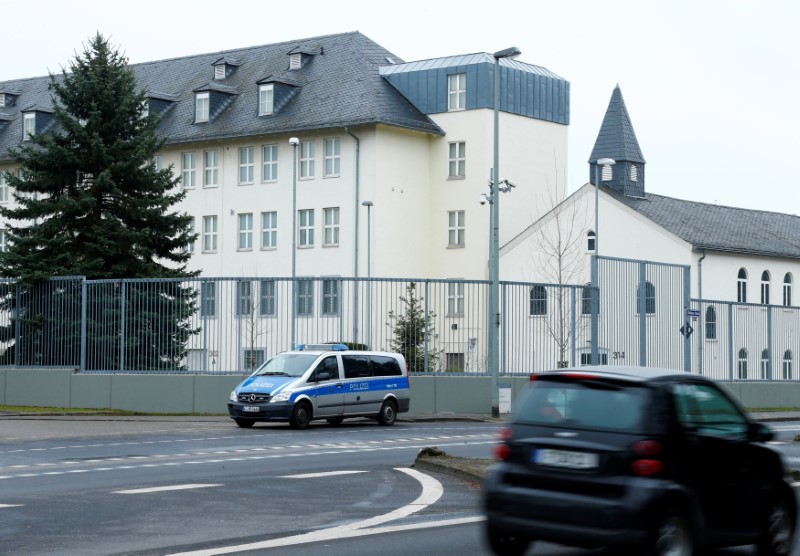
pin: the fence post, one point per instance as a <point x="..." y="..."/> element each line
<point x="425" y="329"/>
<point x="503" y="312"/>
<point x="595" y="298"/>
<point x="687" y="341"/>
<point x="83" y="324"/>
<point x="730" y="341"/>
<point x="770" y="373"/>
<point x="17" y="325"/>
<point x="641" y="303"/>
<point x="574" y="290"/>
<point x="123" y="292"/>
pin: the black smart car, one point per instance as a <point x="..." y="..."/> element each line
<point x="639" y="460"/>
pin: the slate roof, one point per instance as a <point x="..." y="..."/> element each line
<point x="617" y="139"/>
<point x="720" y="228"/>
<point x="339" y="86"/>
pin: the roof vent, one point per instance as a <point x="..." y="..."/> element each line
<point x="295" y="61"/>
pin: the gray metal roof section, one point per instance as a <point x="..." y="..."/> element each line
<point x="720" y="228"/>
<point x="617" y="139"/>
<point x="340" y="86"/>
<point x="465" y="60"/>
<point x="525" y="89"/>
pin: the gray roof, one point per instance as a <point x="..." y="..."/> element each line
<point x="340" y="86"/>
<point x="464" y="60"/>
<point x="721" y="228"/>
<point x="616" y="139"/>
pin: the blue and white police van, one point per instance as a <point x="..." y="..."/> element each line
<point x="324" y="381"/>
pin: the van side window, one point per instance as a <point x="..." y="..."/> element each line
<point x="385" y="366"/>
<point x="356" y="366"/>
<point x="329" y="366"/>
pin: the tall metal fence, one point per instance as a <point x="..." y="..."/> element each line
<point x="634" y="312"/>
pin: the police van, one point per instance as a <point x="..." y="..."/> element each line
<point x="324" y="381"/>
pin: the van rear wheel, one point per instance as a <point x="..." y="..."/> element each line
<point x="301" y="416"/>
<point x="388" y="414"/>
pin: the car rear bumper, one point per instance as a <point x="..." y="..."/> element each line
<point x="572" y="518"/>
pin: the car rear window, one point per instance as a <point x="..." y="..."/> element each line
<point x="584" y="403"/>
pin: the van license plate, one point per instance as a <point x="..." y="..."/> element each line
<point x="251" y="408"/>
<point x="563" y="458"/>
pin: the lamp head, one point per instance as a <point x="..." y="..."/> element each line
<point x="510" y="52"/>
<point x="366" y="204"/>
<point x="294" y="141"/>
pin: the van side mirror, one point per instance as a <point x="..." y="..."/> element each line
<point x="322" y="375"/>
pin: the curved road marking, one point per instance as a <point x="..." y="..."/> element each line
<point x="432" y="490"/>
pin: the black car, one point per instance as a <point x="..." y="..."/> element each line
<point x="639" y="460"/>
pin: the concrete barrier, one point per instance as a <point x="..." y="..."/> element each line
<point x="208" y="394"/>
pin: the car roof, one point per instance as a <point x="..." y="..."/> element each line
<point x="632" y="373"/>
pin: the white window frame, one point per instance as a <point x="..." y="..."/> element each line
<point x="202" y="103"/>
<point x="211" y="168"/>
<point x="188" y="170"/>
<point x="455" y="299"/>
<point x="305" y="225"/>
<point x="306" y="160"/>
<point x="4" y="188"/>
<point x="787" y="364"/>
<point x="766" y="278"/>
<point x="457" y="160"/>
<point x="28" y="125"/>
<point x="787" y="290"/>
<point x="190" y="245"/>
<point x="330" y="235"/>
<point x="304" y="298"/>
<point x="269" y="162"/>
<point x="456" y="92"/>
<point x="247" y="165"/>
<point x="295" y="61"/>
<point x="210" y="233"/>
<point x="267" y="305"/>
<point x="220" y="72"/>
<point x="244" y="298"/>
<point x="266" y="99"/>
<point x="332" y="157"/>
<point x="455" y="228"/>
<point x="3" y="240"/>
<point x="269" y="230"/>
<point x="330" y="296"/>
<point x="245" y="231"/>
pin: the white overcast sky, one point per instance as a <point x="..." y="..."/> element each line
<point x="712" y="86"/>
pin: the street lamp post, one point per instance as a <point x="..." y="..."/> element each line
<point x="368" y="204"/>
<point x="494" y="246"/>
<point x="294" y="142"/>
<point x="595" y="270"/>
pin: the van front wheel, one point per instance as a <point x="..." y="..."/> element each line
<point x="388" y="414"/>
<point x="301" y="416"/>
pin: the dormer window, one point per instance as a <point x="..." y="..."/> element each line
<point x="2" y="99"/>
<point x="201" y="102"/>
<point x="219" y="71"/>
<point x="28" y="125"/>
<point x="265" y="99"/>
<point x="224" y="67"/>
<point x="295" y="61"/>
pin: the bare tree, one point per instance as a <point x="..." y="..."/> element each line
<point x="558" y="255"/>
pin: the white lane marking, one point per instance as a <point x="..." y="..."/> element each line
<point x="11" y="505"/>
<point x="164" y="489"/>
<point x="432" y="490"/>
<point x="250" y="458"/>
<point x="317" y="475"/>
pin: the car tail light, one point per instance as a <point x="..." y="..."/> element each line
<point x="647" y="465"/>
<point x="502" y="450"/>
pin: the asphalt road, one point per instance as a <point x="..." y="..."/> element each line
<point x="158" y="486"/>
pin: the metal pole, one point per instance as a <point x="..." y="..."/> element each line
<point x="596" y="208"/>
<point x="368" y="308"/>
<point x="294" y="141"/>
<point x="494" y="250"/>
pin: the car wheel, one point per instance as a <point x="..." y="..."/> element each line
<point x="244" y="423"/>
<point x="504" y="544"/>
<point x="778" y="534"/>
<point x="335" y="421"/>
<point x="673" y="537"/>
<point x="388" y="414"/>
<point x="301" y="416"/>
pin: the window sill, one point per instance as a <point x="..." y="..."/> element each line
<point x="456" y="178"/>
<point x="331" y="176"/>
<point x="210" y="186"/>
<point x="244" y="249"/>
<point x="456" y="109"/>
<point x="269" y="181"/>
<point x="457" y="246"/>
<point x="329" y="245"/>
<point x="245" y="183"/>
<point x="307" y="178"/>
<point x="305" y="246"/>
<point x="269" y="248"/>
<point x="214" y="252"/>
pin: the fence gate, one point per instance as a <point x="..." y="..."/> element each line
<point x="640" y="314"/>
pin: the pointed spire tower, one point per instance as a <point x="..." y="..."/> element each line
<point x="617" y="140"/>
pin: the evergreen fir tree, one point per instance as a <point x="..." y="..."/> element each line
<point x="90" y="202"/>
<point x="409" y="331"/>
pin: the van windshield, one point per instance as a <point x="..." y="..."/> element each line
<point x="286" y="364"/>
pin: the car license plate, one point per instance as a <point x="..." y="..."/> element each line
<point x="564" y="458"/>
<point x="251" y="408"/>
